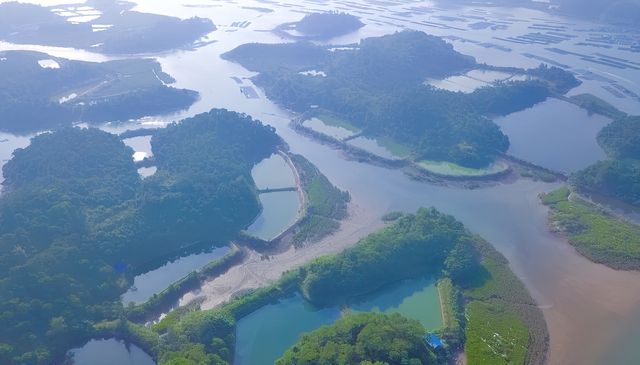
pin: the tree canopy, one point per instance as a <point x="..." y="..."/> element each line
<point x="76" y="221"/>
<point x="379" y="86"/>
<point x="618" y="177"/>
<point x="368" y="338"/>
<point x="34" y="98"/>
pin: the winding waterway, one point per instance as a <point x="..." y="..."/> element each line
<point x="593" y="312"/>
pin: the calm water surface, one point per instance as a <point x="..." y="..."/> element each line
<point x="272" y="173"/>
<point x="141" y="147"/>
<point x="257" y="344"/>
<point x="556" y="135"/>
<point x="263" y="336"/>
<point x="372" y="146"/>
<point x="279" y="212"/>
<point x="334" y="131"/>
<point x="416" y="299"/>
<point x="110" y="352"/>
<point x="279" y="209"/>
<point x="155" y="281"/>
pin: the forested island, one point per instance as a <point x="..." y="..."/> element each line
<point x="618" y="177"/>
<point x="596" y="230"/>
<point x="367" y="338"/>
<point x="77" y="221"/>
<point x="379" y="87"/>
<point x="488" y="311"/>
<point x="34" y="97"/>
<point x="320" y="26"/>
<point x="127" y="31"/>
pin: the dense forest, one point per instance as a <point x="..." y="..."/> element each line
<point x="131" y="32"/>
<point x="619" y="177"/>
<point x="32" y="97"/>
<point x="419" y="244"/>
<point x="367" y="338"/>
<point x="321" y="26"/>
<point x="378" y="86"/>
<point x="76" y="221"/>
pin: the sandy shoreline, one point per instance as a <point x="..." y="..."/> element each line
<point x="256" y="272"/>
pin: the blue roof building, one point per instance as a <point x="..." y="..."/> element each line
<point x="433" y="340"/>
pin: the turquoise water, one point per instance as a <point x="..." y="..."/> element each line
<point x="263" y="336"/>
<point x="416" y="299"/>
<point x="110" y="352"/>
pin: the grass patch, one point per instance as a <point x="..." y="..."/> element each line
<point x="595" y="233"/>
<point x="326" y="204"/>
<point x="495" y="335"/>
<point x="452" y="169"/>
<point x="333" y="121"/>
<point x="452" y="312"/>
<point x="313" y="228"/>
<point x="498" y="303"/>
<point x="596" y="105"/>
<point x="394" y="147"/>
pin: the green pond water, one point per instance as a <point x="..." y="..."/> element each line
<point x="263" y="336"/>
<point x="416" y="299"/>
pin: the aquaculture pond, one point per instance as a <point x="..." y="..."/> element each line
<point x="141" y="147"/>
<point x="110" y="352"/>
<point x="279" y="212"/>
<point x="279" y="209"/>
<point x="473" y="80"/>
<point x="332" y="130"/>
<point x="272" y="173"/>
<point x="290" y="318"/>
<point x="155" y="281"/>
<point x="382" y="148"/>
<point x="416" y="299"/>
<point x="264" y="335"/>
<point x="451" y="169"/>
<point x="556" y="135"/>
